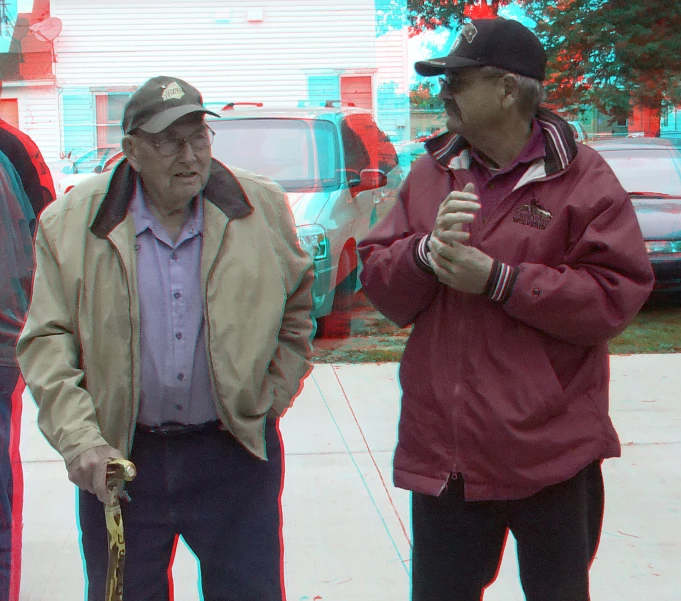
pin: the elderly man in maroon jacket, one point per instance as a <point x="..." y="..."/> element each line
<point x="516" y="255"/>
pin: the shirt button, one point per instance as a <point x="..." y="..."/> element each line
<point x="180" y="377"/>
<point x="179" y="407"/>
<point x="174" y="256"/>
<point x="536" y="292"/>
<point x="177" y="295"/>
<point x="178" y="335"/>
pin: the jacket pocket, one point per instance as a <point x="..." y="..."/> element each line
<point x="519" y="389"/>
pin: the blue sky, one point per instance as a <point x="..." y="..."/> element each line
<point x="13" y="7"/>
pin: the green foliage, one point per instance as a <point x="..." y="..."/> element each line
<point x="608" y="53"/>
<point x="425" y="96"/>
<point x="431" y="14"/>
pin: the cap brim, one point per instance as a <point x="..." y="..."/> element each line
<point x="437" y="66"/>
<point x="159" y="122"/>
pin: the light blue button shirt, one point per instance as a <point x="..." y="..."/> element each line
<point x="175" y="380"/>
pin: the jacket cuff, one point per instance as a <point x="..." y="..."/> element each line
<point x="421" y="254"/>
<point x="500" y="282"/>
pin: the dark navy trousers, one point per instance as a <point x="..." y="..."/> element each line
<point x="9" y="377"/>
<point x="209" y="489"/>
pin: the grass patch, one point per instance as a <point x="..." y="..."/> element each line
<point x="654" y="330"/>
<point x="375" y="339"/>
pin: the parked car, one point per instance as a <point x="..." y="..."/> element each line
<point x="578" y="131"/>
<point x="409" y="151"/>
<point x="86" y="165"/>
<point x="650" y="170"/>
<point x="341" y="175"/>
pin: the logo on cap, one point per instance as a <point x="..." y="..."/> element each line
<point x="172" y="90"/>
<point x="469" y="31"/>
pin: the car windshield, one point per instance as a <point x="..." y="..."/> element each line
<point x="91" y="159"/>
<point x="299" y="154"/>
<point x="654" y="171"/>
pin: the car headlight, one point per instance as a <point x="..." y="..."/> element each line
<point x="663" y="247"/>
<point x="313" y="240"/>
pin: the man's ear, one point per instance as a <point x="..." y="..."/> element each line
<point x="511" y="90"/>
<point x="130" y="151"/>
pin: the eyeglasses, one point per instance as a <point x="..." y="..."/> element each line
<point x="199" y="140"/>
<point x="453" y="83"/>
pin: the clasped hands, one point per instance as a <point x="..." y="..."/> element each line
<point x="455" y="264"/>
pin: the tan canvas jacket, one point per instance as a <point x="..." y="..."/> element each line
<point x="80" y="348"/>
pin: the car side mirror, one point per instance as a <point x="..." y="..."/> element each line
<point x="97" y="169"/>
<point x="370" y="179"/>
<point x="67" y="169"/>
<point x="353" y="177"/>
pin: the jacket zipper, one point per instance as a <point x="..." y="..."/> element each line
<point x="133" y="410"/>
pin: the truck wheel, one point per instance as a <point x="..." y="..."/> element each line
<point x="337" y="324"/>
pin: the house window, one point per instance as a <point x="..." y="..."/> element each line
<point x="109" y="114"/>
<point x="321" y="88"/>
<point x="357" y="90"/>
<point x="9" y="111"/>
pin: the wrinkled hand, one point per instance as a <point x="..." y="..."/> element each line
<point x="458" y="266"/>
<point x="88" y="470"/>
<point x="455" y="210"/>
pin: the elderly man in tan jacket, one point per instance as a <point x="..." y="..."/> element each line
<point x="170" y="325"/>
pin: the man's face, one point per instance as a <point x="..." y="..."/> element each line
<point x="179" y="177"/>
<point x="471" y="100"/>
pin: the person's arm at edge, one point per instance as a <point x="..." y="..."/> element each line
<point x="396" y="276"/>
<point x="291" y="362"/>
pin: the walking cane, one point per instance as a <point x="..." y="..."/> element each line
<point x="117" y="472"/>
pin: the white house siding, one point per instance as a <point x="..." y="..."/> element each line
<point x="117" y="45"/>
<point x="38" y="117"/>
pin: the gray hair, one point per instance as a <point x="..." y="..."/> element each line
<point x="531" y="91"/>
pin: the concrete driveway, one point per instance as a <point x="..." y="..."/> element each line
<point x="347" y="529"/>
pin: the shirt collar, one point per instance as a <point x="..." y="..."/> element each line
<point x="144" y="219"/>
<point x="452" y="151"/>
<point x="533" y="150"/>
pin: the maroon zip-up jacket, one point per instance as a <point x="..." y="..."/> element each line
<point x="511" y="393"/>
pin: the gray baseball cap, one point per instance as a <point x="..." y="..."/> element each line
<point x="160" y="102"/>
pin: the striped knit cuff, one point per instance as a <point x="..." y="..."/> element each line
<point x="500" y="282"/>
<point x="421" y="254"/>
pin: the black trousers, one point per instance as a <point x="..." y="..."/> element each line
<point x="209" y="489"/>
<point x="457" y="544"/>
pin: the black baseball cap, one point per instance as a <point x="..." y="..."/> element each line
<point x="160" y="102"/>
<point x="496" y="42"/>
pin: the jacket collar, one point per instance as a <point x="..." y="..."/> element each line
<point x="453" y="151"/>
<point x="223" y="190"/>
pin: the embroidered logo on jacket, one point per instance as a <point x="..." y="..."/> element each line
<point x="173" y="90"/>
<point x="533" y="215"/>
